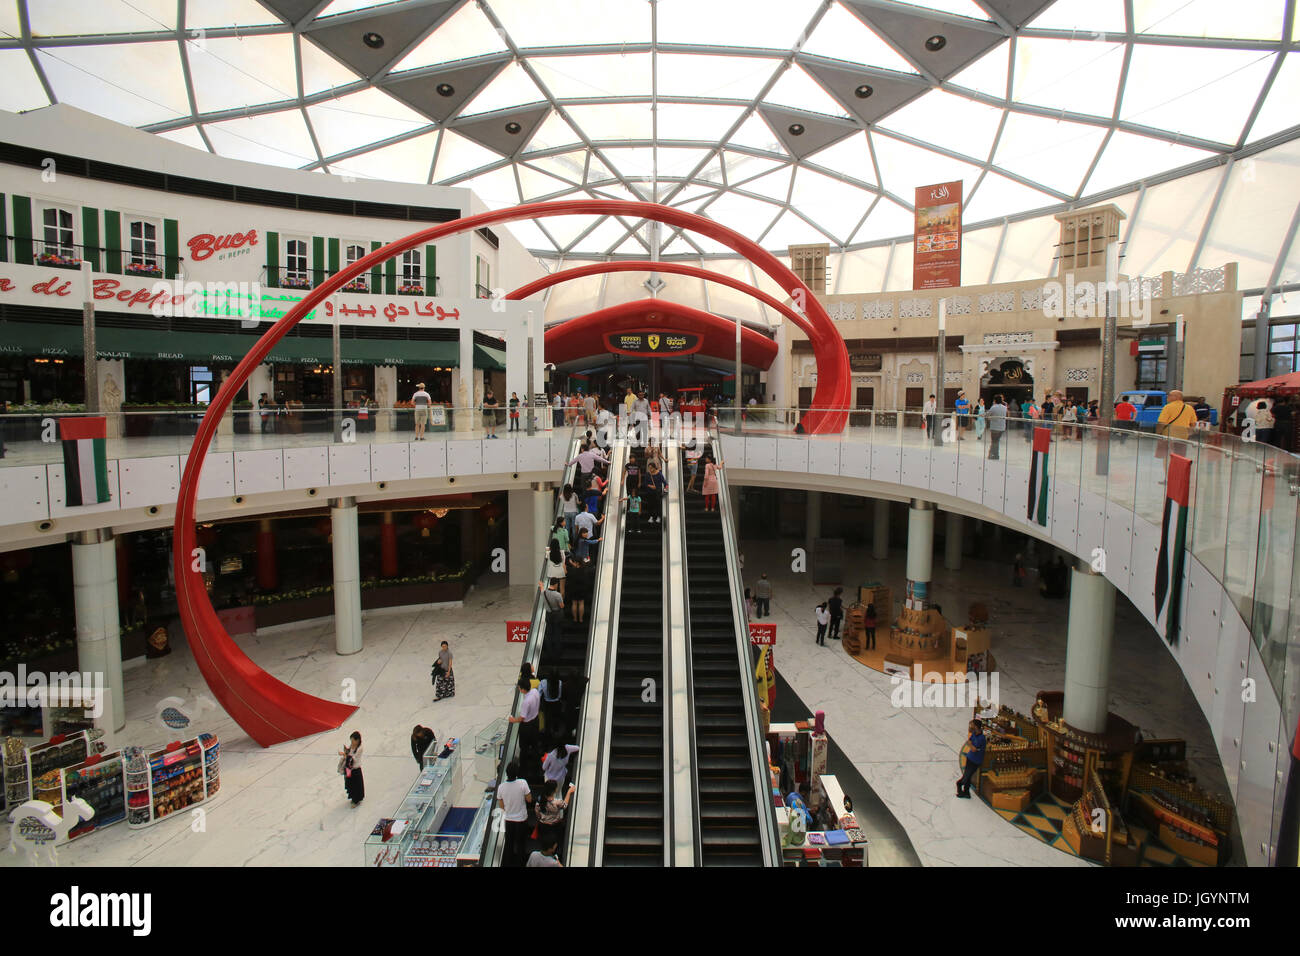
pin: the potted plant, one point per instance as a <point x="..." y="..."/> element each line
<point x="144" y="270"/>
<point x="359" y="284"/>
<point x="294" y="282"/>
<point x="58" y="261"/>
<point x="411" y="288"/>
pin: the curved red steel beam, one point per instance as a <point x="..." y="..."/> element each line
<point x="573" y="339"/>
<point x="670" y="268"/>
<point x="271" y="711"/>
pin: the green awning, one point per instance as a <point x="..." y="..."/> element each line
<point x="494" y="360"/>
<point x="23" y="338"/>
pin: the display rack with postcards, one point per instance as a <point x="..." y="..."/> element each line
<point x="160" y="783"/>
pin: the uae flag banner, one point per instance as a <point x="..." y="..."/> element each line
<point x="1173" y="547"/>
<point x="1038" y="477"/>
<point x="85" y="466"/>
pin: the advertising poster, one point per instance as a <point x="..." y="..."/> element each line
<point x="936" y="246"/>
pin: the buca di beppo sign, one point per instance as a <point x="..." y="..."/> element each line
<point x="204" y="245"/>
<point x="652" y="343"/>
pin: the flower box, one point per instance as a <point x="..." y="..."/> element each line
<point x="294" y="282"/>
<point x="57" y="261"/>
<point x="356" y="285"/>
<point x="144" y="270"/>
<point x="411" y="290"/>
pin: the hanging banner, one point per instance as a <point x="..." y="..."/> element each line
<point x="936" y="245"/>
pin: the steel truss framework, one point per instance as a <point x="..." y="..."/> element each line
<point x="898" y="68"/>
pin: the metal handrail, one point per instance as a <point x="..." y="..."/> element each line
<point x="768" y="833"/>
<point x="681" y="770"/>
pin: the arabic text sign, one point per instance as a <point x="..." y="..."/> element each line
<point x="517" y="632"/>
<point x="762" y="634"/>
<point x="652" y="342"/>
<point x="936" y="245"/>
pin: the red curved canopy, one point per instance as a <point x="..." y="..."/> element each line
<point x="585" y="335"/>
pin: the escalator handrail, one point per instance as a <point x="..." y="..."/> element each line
<point x="583" y="841"/>
<point x="493" y="844"/>
<point x="680" y="683"/>
<point x="769" y="837"/>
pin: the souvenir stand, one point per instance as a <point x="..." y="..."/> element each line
<point x="797" y="761"/>
<point x="412" y="836"/>
<point x="181" y="775"/>
<point x="34" y="773"/>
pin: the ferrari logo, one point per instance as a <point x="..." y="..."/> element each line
<point x="652" y="341"/>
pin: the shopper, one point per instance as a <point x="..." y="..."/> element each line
<point x="550" y="814"/>
<point x="710" y="486"/>
<point x="557" y="410"/>
<point x="1018" y="572"/>
<point x="997" y="425"/>
<point x="569" y="500"/>
<point x="836" y="606"/>
<point x="422" y="738"/>
<point x="633" y="502"/>
<point x="514" y="411"/>
<point x="555" y="570"/>
<point x="555" y="766"/>
<point x="693" y="454"/>
<point x="530" y="707"/>
<point x="869" y="622"/>
<point x="823" y="621"/>
<point x="586" y="462"/>
<point x="266" y="411"/>
<point x="554" y="601"/>
<point x="1069" y="418"/>
<point x="1264" y="423"/>
<point x="513" y="797"/>
<point x="421" y="402"/>
<point x="974" y="758"/>
<point x="546" y="855"/>
<point x="980" y="423"/>
<point x="931" y="412"/>
<point x="560" y="534"/>
<point x="490" y="406"/>
<point x="962" y="407"/>
<point x="354" y="785"/>
<point x="762" y="597"/>
<point x="581" y="579"/>
<point x="596" y="492"/>
<point x="445" y="685"/>
<point x="585" y="550"/>
<point x="654" y="488"/>
<point x="1177" y="419"/>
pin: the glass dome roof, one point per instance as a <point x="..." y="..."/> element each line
<point x="789" y="120"/>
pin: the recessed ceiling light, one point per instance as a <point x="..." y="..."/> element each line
<point x="936" y="43"/>
<point x="372" y="40"/>
<point x="513" y="128"/>
<point x="444" y="89"/>
<point x="863" y="91"/>
<point x="796" y="129"/>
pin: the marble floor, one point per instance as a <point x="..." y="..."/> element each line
<point x="284" y="805"/>
<point x="909" y="755"/>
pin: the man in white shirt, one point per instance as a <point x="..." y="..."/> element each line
<point x="589" y="409"/>
<point x="545" y="857"/>
<point x="557" y="410"/>
<point x="641" y="418"/>
<point x="513" y="798"/>
<point x="421" y="401"/>
<point x="931" y="416"/>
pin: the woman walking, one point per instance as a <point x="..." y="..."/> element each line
<point x="555" y="565"/>
<point x="710" y="486"/>
<point x="354" y="785"/>
<point x="979" y="420"/>
<point x="444" y="684"/>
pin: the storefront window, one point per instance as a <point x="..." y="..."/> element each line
<point x="295" y="261"/>
<point x="200" y="385"/>
<point x="59" y="237"/>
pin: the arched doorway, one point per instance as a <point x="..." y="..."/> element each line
<point x="1009" y="377"/>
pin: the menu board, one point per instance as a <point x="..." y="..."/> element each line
<point x="936" y="253"/>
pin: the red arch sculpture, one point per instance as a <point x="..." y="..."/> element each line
<point x="271" y="711"/>
<point x="670" y="268"/>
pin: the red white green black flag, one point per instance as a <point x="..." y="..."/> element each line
<point x="85" y="465"/>
<point x="1173" y="547"/>
<point x="1038" y="477"/>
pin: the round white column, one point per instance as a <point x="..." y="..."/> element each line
<point x="543" y="511"/>
<point x="1087" y="650"/>
<point x="920" y="547"/>
<point x="952" y="541"/>
<point x="94" y="597"/>
<point x="880" y="530"/>
<point x="347" y="575"/>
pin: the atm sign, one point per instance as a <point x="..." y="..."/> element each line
<point x="652" y="343"/>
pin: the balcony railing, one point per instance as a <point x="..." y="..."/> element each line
<point x="283" y="277"/>
<point x="70" y="255"/>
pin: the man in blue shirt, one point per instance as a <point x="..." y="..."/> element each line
<point x="974" y="758"/>
<point x="962" y="407"/>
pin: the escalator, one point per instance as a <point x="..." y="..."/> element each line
<point x="635" y="797"/>
<point x="727" y="797"/>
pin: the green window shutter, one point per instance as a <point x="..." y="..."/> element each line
<point x="430" y="270"/>
<point x="318" y="272"/>
<point x="171" y="248"/>
<point x="4" y="229"/>
<point x="23" y="230"/>
<point x="376" y="282"/>
<point x="390" y="277"/>
<point x="334" y="256"/>
<point x="273" y="259"/>
<point x="113" y="241"/>
<point x="90" y="236"/>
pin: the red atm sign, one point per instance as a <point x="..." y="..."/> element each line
<point x="517" y="632"/>
<point x="762" y="634"/>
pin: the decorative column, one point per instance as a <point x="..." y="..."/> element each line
<point x="464" y="383"/>
<point x="347" y="575"/>
<point x="920" y="552"/>
<point x="268" y="571"/>
<point x="813" y="520"/>
<point x="529" y="530"/>
<point x="880" y="529"/>
<point x="94" y="598"/>
<point x="261" y="380"/>
<point x="1087" y="650"/>
<point x="384" y="397"/>
<point x="388" y="546"/>
<point x="952" y="542"/>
